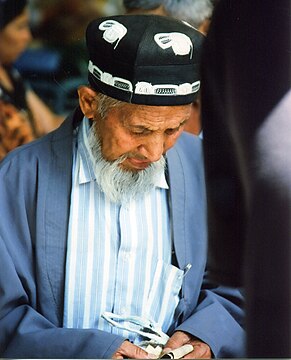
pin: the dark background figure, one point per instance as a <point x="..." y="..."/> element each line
<point x="247" y="128"/>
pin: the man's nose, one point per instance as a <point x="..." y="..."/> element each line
<point x="153" y="149"/>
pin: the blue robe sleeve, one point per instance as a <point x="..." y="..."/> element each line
<point x="26" y="333"/>
<point x="218" y="321"/>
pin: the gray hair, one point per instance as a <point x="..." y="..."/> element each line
<point x="106" y="103"/>
<point x="192" y="11"/>
<point x="142" y="4"/>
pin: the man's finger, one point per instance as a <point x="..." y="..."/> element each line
<point x="200" y="351"/>
<point x="127" y="350"/>
<point x="178" y="353"/>
<point x="178" y="339"/>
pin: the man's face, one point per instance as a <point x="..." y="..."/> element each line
<point x="141" y="133"/>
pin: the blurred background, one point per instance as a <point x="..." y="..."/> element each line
<point x="55" y="63"/>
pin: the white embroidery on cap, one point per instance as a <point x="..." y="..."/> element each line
<point x="143" y="87"/>
<point x="113" y="31"/>
<point x="180" y="43"/>
<point x="107" y="78"/>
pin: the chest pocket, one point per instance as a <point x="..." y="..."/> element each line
<point x="164" y="294"/>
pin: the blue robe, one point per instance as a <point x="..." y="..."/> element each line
<point x="35" y="186"/>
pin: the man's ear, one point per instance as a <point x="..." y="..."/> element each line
<point x="87" y="101"/>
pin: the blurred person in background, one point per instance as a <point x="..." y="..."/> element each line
<point x="23" y="114"/>
<point x="197" y="13"/>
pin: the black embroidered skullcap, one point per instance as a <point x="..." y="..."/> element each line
<point x="10" y="9"/>
<point x="144" y="59"/>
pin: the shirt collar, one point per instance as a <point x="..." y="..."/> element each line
<point x="86" y="171"/>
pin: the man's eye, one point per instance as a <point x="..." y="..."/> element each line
<point x="172" y="131"/>
<point x="175" y="130"/>
<point x="141" y="132"/>
<point x="137" y="133"/>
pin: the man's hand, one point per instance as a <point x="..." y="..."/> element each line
<point x="200" y="349"/>
<point x="129" y="351"/>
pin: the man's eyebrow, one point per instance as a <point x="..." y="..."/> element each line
<point x="181" y="124"/>
<point x="184" y="121"/>
<point x="140" y="127"/>
<point x="144" y="127"/>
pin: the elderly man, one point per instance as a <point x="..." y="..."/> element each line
<point x="103" y="229"/>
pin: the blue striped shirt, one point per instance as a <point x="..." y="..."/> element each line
<point x="119" y="256"/>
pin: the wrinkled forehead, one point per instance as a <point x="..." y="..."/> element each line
<point x="151" y="117"/>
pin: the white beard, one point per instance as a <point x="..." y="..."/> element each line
<point x="120" y="185"/>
